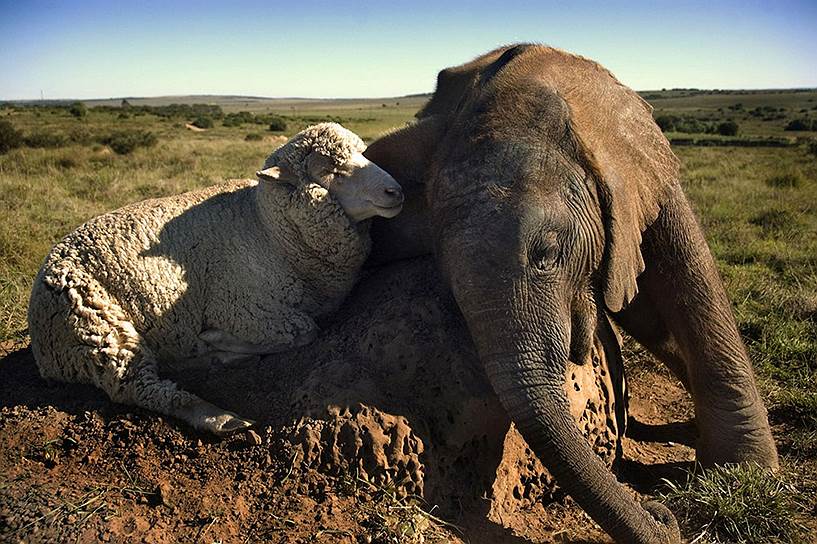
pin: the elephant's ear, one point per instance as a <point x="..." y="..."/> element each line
<point x="625" y="150"/>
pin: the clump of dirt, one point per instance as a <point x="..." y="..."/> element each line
<point x="374" y="446"/>
<point x="389" y="405"/>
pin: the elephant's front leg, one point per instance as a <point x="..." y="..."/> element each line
<point x="682" y="314"/>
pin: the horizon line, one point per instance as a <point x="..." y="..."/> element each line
<point x="409" y="95"/>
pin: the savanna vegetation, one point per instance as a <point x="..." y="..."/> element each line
<point x="749" y="165"/>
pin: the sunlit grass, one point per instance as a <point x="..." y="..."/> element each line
<point x="739" y="504"/>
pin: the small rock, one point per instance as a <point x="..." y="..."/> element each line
<point x="252" y="438"/>
<point x="163" y="491"/>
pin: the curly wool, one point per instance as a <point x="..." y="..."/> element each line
<point x="329" y="139"/>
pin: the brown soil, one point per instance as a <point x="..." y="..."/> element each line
<point x="389" y="402"/>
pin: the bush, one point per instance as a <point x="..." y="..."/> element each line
<point x="277" y="123"/>
<point x="10" y="137"/>
<point x="238" y="119"/>
<point x="202" y="122"/>
<point x="80" y="135"/>
<point x="801" y="124"/>
<point x="666" y="123"/>
<point x="812" y="147"/>
<point x="682" y="123"/>
<point x="727" y="128"/>
<point x="253" y="137"/>
<point x="124" y="142"/>
<point x="78" y="110"/>
<point x="45" y="139"/>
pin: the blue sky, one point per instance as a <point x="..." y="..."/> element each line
<point x="71" y="49"/>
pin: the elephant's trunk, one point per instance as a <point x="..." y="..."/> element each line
<point x="528" y="377"/>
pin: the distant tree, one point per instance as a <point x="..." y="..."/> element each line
<point x="78" y="110"/>
<point x="10" y="137"/>
<point x="124" y="104"/>
<point x="728" y="128"/>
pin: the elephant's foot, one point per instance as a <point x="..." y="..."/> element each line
<point x="208" y="417"/>
<point x="735" y="437"/>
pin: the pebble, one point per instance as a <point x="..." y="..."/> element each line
<point x="252" y="438"/>
<point x="163" y="490"/>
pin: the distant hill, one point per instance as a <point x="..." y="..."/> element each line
<point x="248" y="103"/>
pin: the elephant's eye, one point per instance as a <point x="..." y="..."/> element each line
<point x="543" y="252"/>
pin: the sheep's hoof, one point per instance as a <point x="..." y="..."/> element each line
<point x="227" y="424"/>
<point x="209" y="417"/>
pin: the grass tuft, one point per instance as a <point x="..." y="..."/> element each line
<point x="738" y="504"/>
<point x="789" y="179"/>
<point x="396" y="518"/>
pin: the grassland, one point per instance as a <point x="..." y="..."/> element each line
<point x="758" y="207"/>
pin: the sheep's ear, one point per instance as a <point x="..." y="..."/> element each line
<point x="276" y="174"/>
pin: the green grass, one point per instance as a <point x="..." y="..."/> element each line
<point x="739" y="504"/>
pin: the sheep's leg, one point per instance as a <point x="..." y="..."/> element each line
<point x="261" y="335"/>
<point x="145" y="388"/>
<point x="207" y="360"/>
<point x="228" y="344"/>
<point x="80" y="334"/>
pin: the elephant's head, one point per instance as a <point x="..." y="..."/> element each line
<point x="537" y="211"/>
<point x="545" y="175"/>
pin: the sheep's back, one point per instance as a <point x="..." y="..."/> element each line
<point x="150" y="256"/>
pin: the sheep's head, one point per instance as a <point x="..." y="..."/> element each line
<point x="332" y="157"/>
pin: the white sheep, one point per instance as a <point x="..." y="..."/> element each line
<point x="230" y="271"/>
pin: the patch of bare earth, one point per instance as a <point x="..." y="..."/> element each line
<point x="76" y="468"/>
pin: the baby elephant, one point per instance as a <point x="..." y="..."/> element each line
<point x="227" y="272"/>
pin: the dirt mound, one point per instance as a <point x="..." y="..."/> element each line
<point x="393" y="392"/>
<point x="390" y="401"/>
